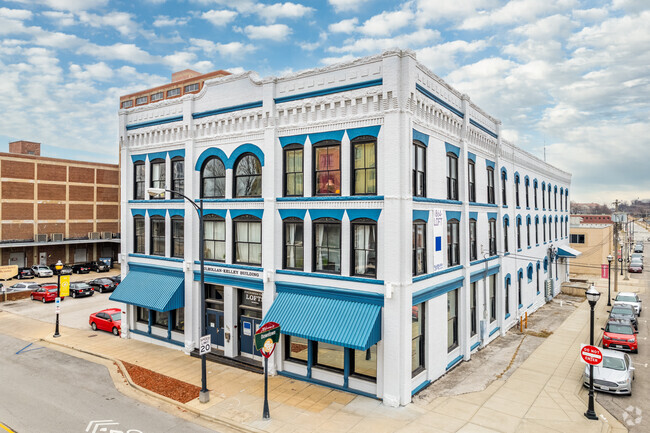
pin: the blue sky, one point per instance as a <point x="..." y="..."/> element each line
<point x="567" y="76"/>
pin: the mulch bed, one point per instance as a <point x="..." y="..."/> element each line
<point x="161" y="384"/>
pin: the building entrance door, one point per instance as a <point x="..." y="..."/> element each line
<point x="42" y="259"/>
<point x="250" y="318"/>
<point x="215" y="327"/>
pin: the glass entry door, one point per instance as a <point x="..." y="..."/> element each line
<point x="214" y="314"/>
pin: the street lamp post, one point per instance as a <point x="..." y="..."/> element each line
<point x="204" y="394"/>
<point x="592" y="296"/>
<point x="58" y="268"/>
<point x="609" y="280"/>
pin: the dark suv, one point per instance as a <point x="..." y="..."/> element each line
<point x="624" y="313"/>
<point x="24" y="273"/>
<point x="81" y="268"/>
<point x="98" y="266"/>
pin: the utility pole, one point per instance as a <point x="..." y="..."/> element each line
<point x="627" y="249"/>
<point x="616" y="255"/>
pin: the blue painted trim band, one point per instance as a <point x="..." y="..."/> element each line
<point x="492" y="215"/>
<point x="436" y="200"/>
<point x="147" y="256"/>
<point x="493" y="331"/>
<point x="140" y="212"/>
<point x="345" y="294"/>
<point x="176" y="212"/>
<point x="154" y="122"/>
<point x="199" y="115"/>
<point x="521" y="305"/>
<point x="482" y="128"/>
<point x="421" y="137"/>
<point x="362" y="85"/>
<point x="435" y="274"/>
<point x="489" y="163"/>
<point x="530" y="305"/>
<point x="136" y="158"/>
<point x="230" y="280"/>
<point x="174" y="153"/>
<point x="454" y="362"/>
<point x="437" y="290"/>
<point x="234" y="213"/>
<point x="157" y="201"/>
<point x="505" y="206"/>
<point x="471" y="156"/>
<point x="231" y="265"/>
<point x="372" y="214"/>
<point x="507" y="316"/>
<point x="476" y="262"/>
<point x="293" y="139"/>
<point x="325" y="384"/>
<point x="473" y="215"/>
<point x="330" y="276"/>
<point x="372" y="131"/>
<point x="218" y="212"/>
<point x="453" y="149"/>
<point x="474" y="346"/>
<point x="232" y="200"/>
<point x="336" y="214"/>
<point x="483" y="204"/>
<point x="451" y="214"/>
<point x="420" y="387"/>
<point x="292" y="213"/>
<point x="333" y="198"/>
<point x="156" y="212"/>
<point x="421" y="215"/>
<point x="157" y="337"/>
<point x="434" y="98"/>
<point x="244" y="148"/>
<point x="479" y="275"/>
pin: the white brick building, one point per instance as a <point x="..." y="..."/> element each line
<point x="327" y="196"/>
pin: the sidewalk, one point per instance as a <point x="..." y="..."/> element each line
<point x="544" y="394"/>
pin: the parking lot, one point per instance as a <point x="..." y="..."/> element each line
<point x="74" y="312"/>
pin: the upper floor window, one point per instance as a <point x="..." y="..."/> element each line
<point x="471" y="180"/>
<point x="191" y="88"/>
<point x="327" y="245"/>
<point x="555" y="229"/>
<point x="419" y="169"/>
<point x="157" y="236"/>
<point x="327" y="168"/>
<point x="492" y="284"/>
<point x="527" y="198"/>
<point x="535" y="193"/>
<point x="248" y="240"/>
<point x="543" y="198"/>
<point x="248" y="176"/>
<point x="518" y="234"/>
<point x="490" y="186"/>
<point x="419" y="247"/>
<point x="492" y="227"/>
<point x="566" y="227"/>
<point x="544" y="231"/>
<point x="452" y="176"/>
<point x="528" y="232"/>
<point x="213" y="179"/>
<point x="157" y="96"/>
<point x="549" y="197"/>
<point x="141" y="100"/>
<point x="178" y="236"/>
<point x="364" y="175"/>
<point x="507" y="293"/>
<point x="173" y="92"/>
<point x="472" y="309"/>
<point x="138" y="231"/>
<point x="138" y="180"/>
<point x="577" y="239"/>
<point x="214" y="239"/>
<point x="555" y="199"/>
<point x="473" y="253"/>
<point x="127" y="104"/>
<point x="504" y="197"/>
<point x="517" y="190"/>
<point x="293" y="244"/>
<point x="293" y="171"/>
<point x="178" y="176"/>
<point x="505" y="236"/>
<point x="453" y="246"/>
<point x="158" y="173"/>
<point x="364" y="248"/>
<point x="566" y="200"/>
<point x="561" y="197"/>
<point x="536" y="231"/>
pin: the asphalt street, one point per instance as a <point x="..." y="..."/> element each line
<point x="46" y="391"/>
<point x="634" y="411"/>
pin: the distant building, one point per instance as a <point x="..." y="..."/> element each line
<point x="594" y="240"/>
<point x="56" y="209"/>
<point x="594" y="219"/>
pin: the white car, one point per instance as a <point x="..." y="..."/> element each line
<point x="629" y="298"/>
<point x="42" y="271"/>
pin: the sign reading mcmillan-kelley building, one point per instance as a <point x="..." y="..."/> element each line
<point x="233" y="271"/>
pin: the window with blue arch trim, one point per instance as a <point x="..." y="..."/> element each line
<point x="529" y="272"/>
<point x="213" y="178"/>
<point x="248" y="176"/>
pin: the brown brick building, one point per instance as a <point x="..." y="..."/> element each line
<point x="56" y="209"/>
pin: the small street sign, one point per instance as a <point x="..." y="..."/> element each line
<point x="591" y="355"/>
<point x="64" y="290"/>
<point x="604" y="271"/>
<point x="266" y="337"/>
<point x="205" y="346"/>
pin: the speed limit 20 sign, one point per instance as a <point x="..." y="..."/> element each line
<point x="204" y="345"/>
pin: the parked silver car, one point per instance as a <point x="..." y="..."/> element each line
<point x="42" y="271"/>
<point x="631" y="299"/>
<point x="614" y="375"/>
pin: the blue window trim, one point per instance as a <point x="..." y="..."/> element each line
<point x="517" y="177"/>
<point x="420" y="387"/>
<point x="246" y="106"/>
<point x="156" y="212"/>
<point x="244" y="148"/>
<point x="492" y="215"/>
<point x="506" y="220"/>
<point x="207" y="153"/>
<point x="329" y="91"/>
<point x="324" y="383"/>
<point x="292" y="213"/>
<point x="453" y="149"/>
<point x="452" y="214"/>
<point x="439" y="101"/>
<point x="336" y="214"/>
<point x="157" y="337"/>
<point x="474" y="346"/>
<point x="163" y="258"/>
<point x="507" y="316"/>
<point x="437" y="290"/>
<point x="336" y="135"/>
<point x="140" y="212"/>
<point x="471" y="156"/>
<point x="372" y="131"/>
<point x="372" y="214"/>
<point x="231" y="200"/>
<point x="176" y="212"/>
<point x="334" y="293"/>
<point x="489" y="163"/>
<point x="530" y="304"/>
<point x="258" y="213"/>
<point x="505" y="206"/>
<point x="218" y="212"/>
<point x="156" y="201"/>
<point x="330" y="276"/>
<point x="504" y="170"/>
<point x="136" y="158"/>
<point x="421" y="137"/>
<point x="477" y="262"/>
<point x="436" y="200"/>
<point x="453" y="362"/>
<point x="495" y="330"/>
<point x="483" y="204"/>
<point x="156" y="155"/>
<point x="435" y="274"/>
<point x="473" y="215"/>
<point x="154" y="122"/>
<point x="174" y="153"/>
<point x="483" y="128"/>
<point x="421" y="215"/>
<point x="333" y="198"/>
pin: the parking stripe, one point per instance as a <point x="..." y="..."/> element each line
<point x="7" y="429"/>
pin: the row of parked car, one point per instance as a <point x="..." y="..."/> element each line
<point x="48" y="271"/>
<point x="46" y="292"/>
<point x="636" y="259"/>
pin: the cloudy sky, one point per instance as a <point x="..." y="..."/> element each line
<point x="570" y="78"/>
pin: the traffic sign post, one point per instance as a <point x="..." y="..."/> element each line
<point x="205" y="345"/>
<point x="265" y="340"/>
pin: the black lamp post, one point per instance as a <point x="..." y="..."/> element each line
<point x="204" y="394"/>
<point x="609" y="280"/>
<point x="58" y="268"/>
<point x="592" y="296"/>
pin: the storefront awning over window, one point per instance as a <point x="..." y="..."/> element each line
<point x="158" y="290"/>
<point x="348" y="323"/>
<point x="567" y="252"/>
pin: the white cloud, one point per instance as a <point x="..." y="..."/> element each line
<point x="231" y="49"/>
<point x="332" y="60"/>
<point x="275" y="32"/>
<point x="165" y="21"/>
<point x="346" y="5"/>
<point x="271" y="13"/>
<point x="62" y="19"/>
<point x="68" y="5"/>
<point x="386" y="23"/>
<point x="452" y="10"/>
<point x="593" y="14"/>
<point x="120" y="21"/>
<point x="15" y="14"/>
<point x="370" y="45"/>
<point x="95" y="72"/>
<point x="345" y="26"/>
<point x="236" y="70"/>
<point x="443" y="56"/>
<point x="219" y="18"/>
<point x="126" y="52"/>
<point x="516" y="11"/>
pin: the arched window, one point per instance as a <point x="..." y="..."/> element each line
<point x="213" y="179"/>
<point x="364" y="174"/>
<point x="507" y="297"/>
<point x="327" y="167"/>
<point x="178" y="176"/>
<point x="527" y="184"/>
<point x="517" y="190"/>
<point x="528" y="231"/>
<point x="520" y="278"/>
<point x="506" y="223"/>
<point x="518" y="233"/>
<point x="138" y="180"/>
<point x="504" y="178"/>
<point x="248" y="176"/>
<point x="452" y="176"/>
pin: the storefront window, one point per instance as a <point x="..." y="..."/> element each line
<point x="160" y="319"/>
<point x="296" y="348"/>
<point x="143" y="315"/>
<point x="452" y="320"/>
<point x="364" y="363"/>
<point x="214" y="296"/>
<point x="250" y="304"/>
<point x="417" y="339"/>
<point x="330" y="356"/>
<point x="179" y="319"/>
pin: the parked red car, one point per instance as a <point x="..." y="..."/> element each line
<point x="620" y="335"/>
<point x="107" y="320"/>
<point x="45" y="293"/>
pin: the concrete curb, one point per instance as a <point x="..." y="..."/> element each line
<point x="184" y="406"/>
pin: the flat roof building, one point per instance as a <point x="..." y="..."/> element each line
<point x="369" y="208"/>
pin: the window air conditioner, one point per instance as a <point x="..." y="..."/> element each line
<point x="57" y="237"/>
<point x="40" y="238"/>
<point x="93" y="235"/>
<point x="107" y="235"/>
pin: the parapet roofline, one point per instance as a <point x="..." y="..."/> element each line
<point x="214" y="74"/>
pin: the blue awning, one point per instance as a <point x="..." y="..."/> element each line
<point x="348" y="323"/>
<point x="158" y="290"/>
<point x="567" y="252"/>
